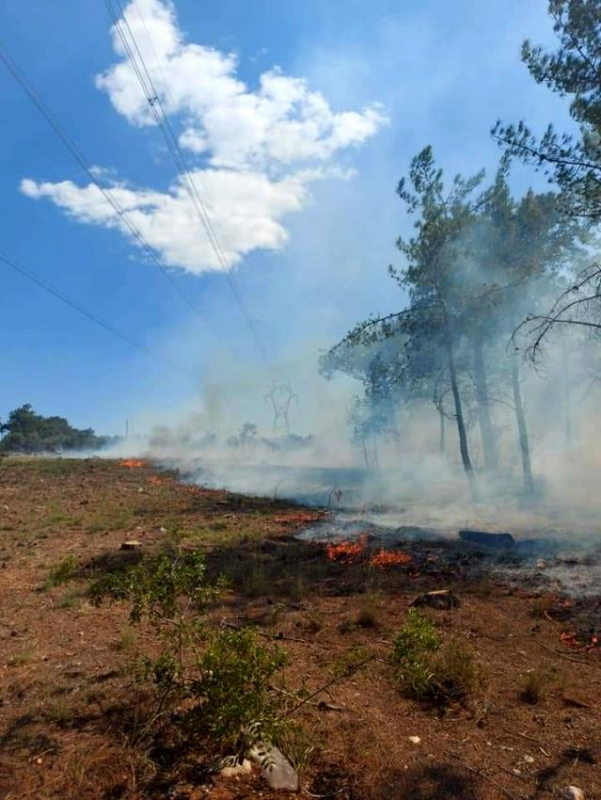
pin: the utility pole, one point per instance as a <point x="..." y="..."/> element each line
<point x="281" y="396"/>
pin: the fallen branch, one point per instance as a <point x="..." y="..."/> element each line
<point x="278" y="637"/>
<point x="322" y="705"/>
<point x="567" y="656"/>
<point x="522" y="736"/>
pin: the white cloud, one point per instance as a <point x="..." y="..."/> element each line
<point x="260" y="149"/>
<point x="245" y="209"/>
<point x="282" y="122"/>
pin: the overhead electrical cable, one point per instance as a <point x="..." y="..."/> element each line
<point x="136" y="59"/>
<point x="89" y="314"/>
<point x="87" y="167"/>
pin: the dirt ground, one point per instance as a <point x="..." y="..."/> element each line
<point x="70" y="707"/>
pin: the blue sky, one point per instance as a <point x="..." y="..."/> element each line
<point x="318" y="211"/>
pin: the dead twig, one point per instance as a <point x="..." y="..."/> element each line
<point x="567" y="656"/>
<point x="575" y="702"/>
<point x="322" y="705"/>
<point x="522" y="736"/>
<point x="334" y="680"/>
<point x="274" y="638"/>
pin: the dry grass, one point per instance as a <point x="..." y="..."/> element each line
<point x="68" y="694"/>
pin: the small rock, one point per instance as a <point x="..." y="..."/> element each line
<point x="541" y="564"/>
<point x="245" y="768"/>
<point x="528" y="759"/>
<point x="414" y="739"/>
<point x="130" y="545"/>
<point x="162" y="530"/>
<point x="573" y="793"/>
<point x="278" y="772"/>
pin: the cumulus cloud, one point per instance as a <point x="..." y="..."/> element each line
<point x="255" y="152"/>
<point x="246" y="208"/>
<point x="280" y="123"/>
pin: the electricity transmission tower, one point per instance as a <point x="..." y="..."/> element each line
<point x="281" y="397"/>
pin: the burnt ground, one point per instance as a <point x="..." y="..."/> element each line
<point x="71" y="712"/>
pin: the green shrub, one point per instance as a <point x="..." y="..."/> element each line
<point x="233" y="689"/>
<point x="454" y="674"/>
<point x="218" y="682"/>
<point x="427" y="671"/>
<point x="157" y="584"/>
<point x="417" y="636"/>
<point x="64" y="571"/>
<point x="534" y="686"/>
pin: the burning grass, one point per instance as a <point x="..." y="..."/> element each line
<point x="352" y="552"/>
<point x="132" y="463"/>
<point x="74" y="722"/>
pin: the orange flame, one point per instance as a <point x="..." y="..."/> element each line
<point x="346" y="551"/>
<point x="387" y="558"/>
<point x="131" y="463"/>
<point x="570" y="640"/>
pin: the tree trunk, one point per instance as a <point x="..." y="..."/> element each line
<point x="442" y="432"/>
<point x="375" y="448"/>
<point x="522" y="429"/>
<point x="364" y="448"/>
<point x="566" y="393"/>
<point x="489" y="445"/>
<point x="463" y="446"/>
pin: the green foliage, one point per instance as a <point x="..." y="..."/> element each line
<point x="299" y="746"/>
<point x="454" y="674"/>
<point x="222" y="680"/>
<point x="28" y="432"/>
<point x="428" y="672"/>
<point x="417" y="636"/>
<point x="571" y="71"/>
<point x="63" y="572"/>
<point x="234" y="691"/>
<point x="157" y="584"/>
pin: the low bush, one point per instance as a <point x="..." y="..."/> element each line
<point x="233" y="692"/>
<point x="534" y="686"/>
<point x="428" y="671"/>
<point x="215" y="685"/>
<point x="63" y="572"/>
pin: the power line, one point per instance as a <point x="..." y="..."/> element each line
<point x="78" y="155"/>
<point x="81" y="310"/>
<point x="154" y="101"/>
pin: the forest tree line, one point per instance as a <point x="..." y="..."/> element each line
<point x="494" y="282"/>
